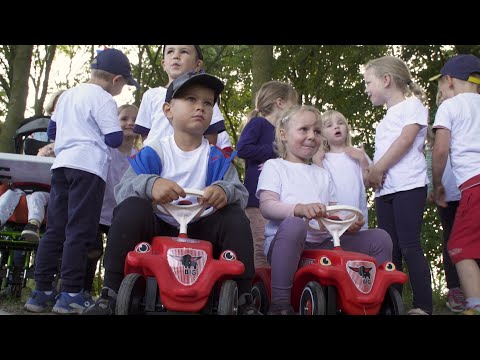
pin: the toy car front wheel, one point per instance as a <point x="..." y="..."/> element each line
<point x="312" y="301"/>
<point x="392" y="303"/>
<point x="260" y="297"/>
<point x="228" y="298"/>
<point x="130" y="296"/>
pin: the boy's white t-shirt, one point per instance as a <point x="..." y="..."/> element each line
<point x="410" y="171"/>
<point x="296" y="184"/>
<point x="187" y="168"/>
<point x="223" y="140"/>
<point x="461" y="115"/>
<point x="151" y="116"/>
<point x="83" y="116"/>
<point x="118" y="166"/>
<point x="347" y="176"/>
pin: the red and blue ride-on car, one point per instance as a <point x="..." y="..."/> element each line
<point x="179" y="274"/>
<point x="330" y="282"/>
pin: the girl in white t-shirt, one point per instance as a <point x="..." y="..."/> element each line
<point x="399" y="171"/>
<point x="290" y="189"/>
<point x="346" y="164"/>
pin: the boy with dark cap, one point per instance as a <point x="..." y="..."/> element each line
<point x="84" y="125"/>
<point x="160" y="172"/>
<point x="151" y="122"/>
<point x="457" y="130"/>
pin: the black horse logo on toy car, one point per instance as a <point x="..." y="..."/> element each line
<point x="189" y="262"/>
<point x="364" y="272"/>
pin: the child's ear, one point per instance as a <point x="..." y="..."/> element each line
<point x="283" y="136"/>
<point x="387" y="79"/>
<point x="117" y="78"/>
<point x="199" y="65"/>
<point x="167" y="110"/>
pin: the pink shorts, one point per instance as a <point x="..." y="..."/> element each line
<point x="464" y="242"/>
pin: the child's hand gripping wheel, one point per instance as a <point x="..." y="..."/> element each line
<point x="339" y="219"/>
<point x="184" y="211"/>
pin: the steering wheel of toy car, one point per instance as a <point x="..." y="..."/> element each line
<point x="336" y="227"/>
<point x="184" y="214"/>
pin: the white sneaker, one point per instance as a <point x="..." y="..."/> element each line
<point x="416" y="311"/>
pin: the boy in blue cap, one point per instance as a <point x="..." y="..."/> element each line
<point x="160" y="172"/>
<point x="84" y="125"/>
<point x="457" y="130"/>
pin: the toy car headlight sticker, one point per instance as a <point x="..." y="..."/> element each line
<point x="143" y="247"/>
<point x="228" y="255"/>
<point x="389" y="266"/>
<point x="325" y="261"/>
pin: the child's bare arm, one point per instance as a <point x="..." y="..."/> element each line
<point x="394" y="153"/>
<point x="361" y="156"/>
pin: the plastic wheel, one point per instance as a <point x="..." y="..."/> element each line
<point x="312" y="301"/>
<point x="260" y="297"/>
<point x="392" y="303"/>
<point x="228" y="298"/>
<point x="130" y="296"/>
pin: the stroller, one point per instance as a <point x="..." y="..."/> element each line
<point x="31" y="135"/>
<point x="17" y="256"/>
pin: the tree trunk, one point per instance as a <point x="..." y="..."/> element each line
<point x="18" y="99"/>
<point x="262" y="67"/>
<point x="48" y="66"/>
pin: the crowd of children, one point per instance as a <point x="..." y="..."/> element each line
<point x="298" y="161"/>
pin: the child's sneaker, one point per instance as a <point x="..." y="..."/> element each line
<point x="246" y="305"/>
<point x="105" y="304"/>
<point x="31" y="232"/>
<point x="417" y="311"/>
<point x="39" y="301"/>
<point x="472" y="311"/>
<point x="456" y="300"/>
<point x="67" y="304"/>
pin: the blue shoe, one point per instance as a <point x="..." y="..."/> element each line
<point x="39" y="301"/>
<point x="67" y="304"/>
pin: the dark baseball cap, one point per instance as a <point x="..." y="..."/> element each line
<point x="193" y="78"/>
<point x="115" y="62"/>
<point x="197" y="48"/>
<point x="461" y="67"/>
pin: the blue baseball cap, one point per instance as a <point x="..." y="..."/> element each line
<point x="115" y="62"/>
<point x="192" y="78"/>
<point x="461" y="67"/>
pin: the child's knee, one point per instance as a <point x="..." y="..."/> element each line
<point x="382" y="240"/>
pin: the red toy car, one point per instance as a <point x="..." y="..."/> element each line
<point x="179" y="274"/>
<point x="330" y="282"/>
